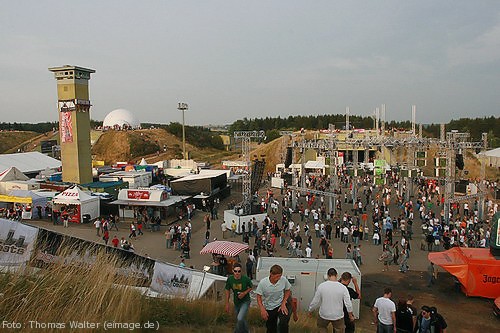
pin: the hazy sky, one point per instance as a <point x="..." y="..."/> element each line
<point x="235" y="59"/>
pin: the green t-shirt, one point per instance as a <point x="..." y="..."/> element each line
<point x="239" y="286"/>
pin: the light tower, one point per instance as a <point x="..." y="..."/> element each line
<point x="183" y="107"/>
<point x="73" y="105"/>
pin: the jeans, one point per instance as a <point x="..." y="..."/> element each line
<point x="241" y="312"/>
<point x="385" y="328"/>
<point x="278" y="321"/>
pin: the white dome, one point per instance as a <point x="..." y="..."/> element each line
<point x="121" y="118"/>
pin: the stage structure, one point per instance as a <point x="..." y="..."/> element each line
<point x="450" y="144"/>
<point x="246" y="137"/>
<point x="73" y="105"/>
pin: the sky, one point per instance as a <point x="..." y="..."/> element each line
<point x="265" y="58"/>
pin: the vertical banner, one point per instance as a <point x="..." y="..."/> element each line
<point x="16" y="242"/>
<point x="171" y="280"/>
<point x="66" y="127"/>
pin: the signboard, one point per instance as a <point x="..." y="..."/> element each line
<point x="171" y="280"/>
<point x="379" y="163"/>
<point x="16" y="242"/>
<point x="138" y="194"/>
<point x="46" y="146"/>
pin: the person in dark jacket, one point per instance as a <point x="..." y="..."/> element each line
<point x="404" y="317"/>
<point x="429" y="321"/>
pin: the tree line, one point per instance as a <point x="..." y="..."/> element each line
<point x="272" y="125"/>
<point x="202" y="137"/>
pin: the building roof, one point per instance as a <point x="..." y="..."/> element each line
<point x="491" y="153"/>
<point x="30" y="162"/>
<point x="204" y="174"/>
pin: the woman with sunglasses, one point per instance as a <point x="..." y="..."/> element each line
<point x="241" y="285"/>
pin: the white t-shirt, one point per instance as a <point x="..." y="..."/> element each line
<point x="331" y="297"/>
<point x="385" y="308"/>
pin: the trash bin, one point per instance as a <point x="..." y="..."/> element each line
<point x="86" y="218"/>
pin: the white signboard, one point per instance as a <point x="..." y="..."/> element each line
<point x="16" y="242"/>
<point x="171" y="280"/>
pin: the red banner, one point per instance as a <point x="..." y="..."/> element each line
<point x="138" y="195"/>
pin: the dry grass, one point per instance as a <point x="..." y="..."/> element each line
<point x="60" y="294"/>
<point x="97" y="293"/>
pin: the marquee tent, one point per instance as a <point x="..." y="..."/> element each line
<point x="12" y="173"/>
<point x="29" y="163"/>
<point x="476" y="269"/>
<point x="36" y="200"/>
<point x="78" y="202"/>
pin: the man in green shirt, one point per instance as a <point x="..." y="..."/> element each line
<point x="241" y="285"/>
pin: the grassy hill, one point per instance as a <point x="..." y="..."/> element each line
<point x="113" y="146"/>
<point x="10" y="141"/>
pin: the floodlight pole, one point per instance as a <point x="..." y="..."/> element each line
<point x="183" y="107"/>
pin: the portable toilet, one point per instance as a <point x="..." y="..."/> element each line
<point x="305" y="274"/>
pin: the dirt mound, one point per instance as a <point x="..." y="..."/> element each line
<point x="152" y="144"/>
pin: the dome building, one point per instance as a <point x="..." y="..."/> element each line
<point x="120" y="119"/>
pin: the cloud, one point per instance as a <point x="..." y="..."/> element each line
<point x="483" y="49"/>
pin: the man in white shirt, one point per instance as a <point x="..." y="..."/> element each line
<point x="330" y="297"/>
<point x="384" y="312"/>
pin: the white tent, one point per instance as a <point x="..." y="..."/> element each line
<point x="81" y="202"/>
<point x="143" y="162"/>
<point x="492" y="157"/>
<point x="13" y="179"/>
<point x="30" y="162"/>
<point x="12" y="173"/>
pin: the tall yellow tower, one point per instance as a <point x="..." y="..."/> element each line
<point x="73" y="105"/>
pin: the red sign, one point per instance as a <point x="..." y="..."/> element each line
<point x="138" y="195"/>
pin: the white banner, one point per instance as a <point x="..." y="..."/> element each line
<point x="171" y="280"/>
<point x="16" y="242"/>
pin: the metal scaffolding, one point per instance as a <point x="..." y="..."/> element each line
<point x="448" y="145"/>
<point x="246" y="137"/>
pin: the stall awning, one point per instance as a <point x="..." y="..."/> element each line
<point x="11" y="198"/>
<point x="230" y="249"/>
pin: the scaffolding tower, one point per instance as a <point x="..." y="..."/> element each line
<point x="246" y="137"/>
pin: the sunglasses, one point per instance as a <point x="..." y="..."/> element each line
<point x="237" y="270"/>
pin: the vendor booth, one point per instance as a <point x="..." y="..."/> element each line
<point x="305" y="274"/>
<point x="157" y="202"/>
<point x="231" y="250"/>
<point x="80" y="206"/>
<point x="34" y="203"/>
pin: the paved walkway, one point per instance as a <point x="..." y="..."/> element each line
<point x="152" y="244"/>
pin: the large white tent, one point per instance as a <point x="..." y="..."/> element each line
<point x="77" y="204"/>
<point x="28" y="163"/>
<point x="492" y="157"/>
